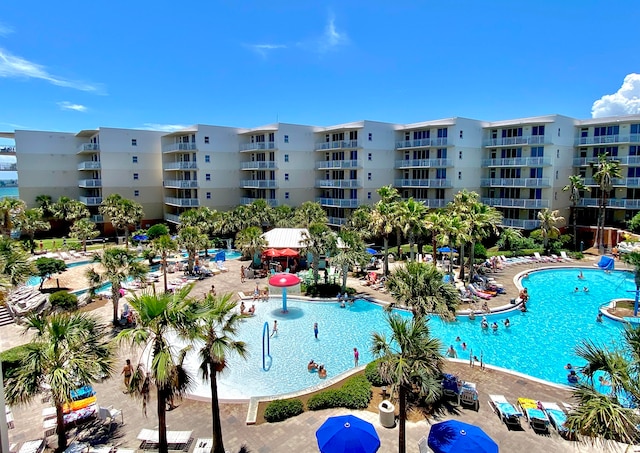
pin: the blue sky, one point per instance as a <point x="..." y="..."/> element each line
<point x="75" y="65"/>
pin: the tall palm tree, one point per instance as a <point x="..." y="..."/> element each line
<point x="31" y="222"/>
<point x="548" y="221"/>
<point x="575" y="186"/>
<point x="384" y="218"/>
<point x="262" y="212"/>
<point x="84" y="230"/>
<point x="161" y="318"/>
<point x="605" y="171"/>
<point x="164" y="245"/>
<point x="412" y="361"/>
<point x="435" y="224"/>
<point x="282" y="216"/>
<point x="14" y="263"/>
<point x="123" y="213"/>
<point x="45" y="201"/>
<point x="217" y="325"/>
<point x="411" y="213"/>
<point x="350" y="253"/>
<point x="192" y="239"/>
<point x="11" y="214"/>
<point x="508" y="237"/>
<point x="66" y="351"/>
<point x="319" y="240"/>
<point x="420" y="286"/>
<point x="249" y="241"/>
<point x="483" y="221"/>
<point x="118" y="265"/>
<point x="360" y="222"/>
<point x="309" y="213"/>
<point x="203" y="218"/>
<point x="69" y="210"/>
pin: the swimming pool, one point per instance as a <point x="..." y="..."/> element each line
<point x="538" y="343"/>
<point x="34" y="280"/>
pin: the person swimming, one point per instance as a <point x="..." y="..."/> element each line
<point x="572" y="377"/>
<point x="451" y="352"/>
<point x="507" y="323"/>
<point x="494" y="326"/>
<point x="585" y="289"/>
<point x="599" y="317"/>
<point x="312" y="366"/>
<point x="464" y="346"/>
<point x="581" y="276"/>
<point x="484" y="324"/>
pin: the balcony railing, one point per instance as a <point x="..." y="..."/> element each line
<point x="84" y="147"/>
<point x="339" y="144"/>
<point x="180" y="166"/>
<point x="337" y="221"/>
<point x="433" y="203"/>
<point x="248" y="200"/>
<point x="97" y="218"/>
<point x="344" y="183"/>
<point x="424" y="163"/>
<point x="516" y="203"/>
<point x="614" y="181"/>
<point x="174" y="218"/>
<point x="259" y="183"/>
<point x="435" y="183"/>
<point x="338" y="202"/>
<point x="422" y="142"/>
<point x="180" y="184"/>
<point x="259" y="165"/>
<point x="8" y="166"/>
<point x="511" y="141"/>
<point x="515" y="182"/>
<point x="90" y="183"/>
<point x="607" y="139"/>
<point x="517" y="162"/>
<point x="584" y="161"/>
<point x="89" y="165"/>
<point x="611" y="203"/>
<point x="257" y="146"/>
<point x="326" y="164"/>
<point x="179" y="147"/>
<point x="628" y="160"/>
<point x="90" y="201"/>
<point x="182" y="201"/>
<point x="521" y="224"/>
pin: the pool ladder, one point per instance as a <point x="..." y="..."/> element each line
<point x="267" y="353"/>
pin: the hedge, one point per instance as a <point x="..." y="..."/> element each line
<point x="355" y="393"/>
<point x="372" y="373"/>
<point x="11" y="358"/>
<point x="280" y="410"/>
<point x="64" y="300"/>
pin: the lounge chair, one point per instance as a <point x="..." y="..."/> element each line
<point x="564" y="256"/>
<point x="540" y="259"/>
<point x="203" y="446"/>
<point x="557" y="416"/>
<point x="480" y="294"/>
<point x="556" y="258"/>
<point x="111" y="414"/>
<point x="177" y="440"/>
<point x="505" y="410"/>
<point x="537" y="418"/>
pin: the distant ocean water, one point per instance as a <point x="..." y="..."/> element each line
<point x="8" y="192"/>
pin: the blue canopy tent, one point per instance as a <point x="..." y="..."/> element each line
<point x="606" y="263"/>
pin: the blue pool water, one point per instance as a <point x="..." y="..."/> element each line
<point x="34" y="280"/>
<point x="538" y="343"/>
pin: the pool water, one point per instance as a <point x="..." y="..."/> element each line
<point x="538" y="343"/>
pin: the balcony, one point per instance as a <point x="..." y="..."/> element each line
<point x="89" y="165"/>
<point x="179" y="147"/>
<point x="607" y="139"/>
<point x="521" y="224"/>
<point x="329" y="164"/>
<point x="259" y="183"/>
<point x="168" y="166"/>
<point x="83" y="148"/>
<point x="628" y="160"/>
<point x="259" y="165"/>
<point x="338" y="202"/>
<point x="97" y="218"/>
<point x="516" y="203"/>
<point x="584" y="161"/>
<point x="434" y="203"/>
<point x="624" y="182"/>
<point x="337" y="221"/>
<point x="270" y="201"/>
<point x="518" y="162"/>
<point x="513" y="141"/>
<point x="434" y="183"/>
<point x="180" y="184"/>
<point x="422" y="143"/>
<point x="343" y="183"/>
<point x="611" y="203"/>
<point x="424" y="163"/>
<point x="173" y="218"/>
<point x="257" y="146"/>
<point x="515" y="182"/>
<point x="8" y="166"/>
<point x="339" y="144"/>
<point x="90" y="201"/>
<point x="183" y="202"/>
<point x="90" y="183"/>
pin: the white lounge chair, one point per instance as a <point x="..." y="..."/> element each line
<point x="556" y="415"/>
<point x="203" y="446"/>
<point x="111" y="414"/>
<point x="221" y="267"/>
<point x="177" y="440"/>
<point x="564" y="256"/>
<point x="423" y="445"/>
<point x="537" y="418"/>
<point x="65" y="256"/>
<point x="505" y="410"/>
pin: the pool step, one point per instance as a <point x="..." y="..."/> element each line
<point x="5" y="316"/>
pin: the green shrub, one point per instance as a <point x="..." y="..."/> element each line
<point x="280" y="410"/>
<point x="355" y="393"/>
<point x="64" y="300"/>
<point x="11" y="358"/>
<point x="372" y="373"/>
<point x="480" y="251"/>
<point x="325" y="400"/>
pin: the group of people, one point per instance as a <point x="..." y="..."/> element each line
<point x="343" y="299"/>
<point x="494" y="326"/>
<point x="316" y="367"/>
<point x="262" y="296"/>
<point x="250" y="312"/>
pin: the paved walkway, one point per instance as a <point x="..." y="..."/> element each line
<point x="298" y="434"/>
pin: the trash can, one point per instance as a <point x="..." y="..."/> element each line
<point x="387" y="414"/>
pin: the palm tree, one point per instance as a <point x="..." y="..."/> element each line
<point x="14" y="263"/>
<point x="319" y="240"/>
<point x="262" y="212"/>
<point x="192" y="239"/>
<point x="282" y="216"/>
<point x="66" y="351"/>
<point x="11" y="214"/>
<point x="118" y="265"/>
<point x="605" y="171"/>
<point x="45" y="201"/>
<point x="218" y="323"/>
<point x="435" y="224"/>
<point x="412" y="361"/>
<point x="411" y="214"/>
<point x="69" y="210"/>
<point x="383" y="219"/>
<point x="84" y="230"/>
<point x="161" y="317"/>
<point x="360" y="222"/>
<point x="483" y="221"/>
<point x="249" y="241"/>
<point x="30" y="222"/>
<point x="164" y="245"/>
<point x="576" y="184"/>
<point x="309" y="213"/>
<point x="350" y="253"/>
<point x="420" y="286"/>
<point x="508" y="237"/>
<point x="633" y="258"/>
<point x="548" y="220"/>
<point x="123" y="213"/>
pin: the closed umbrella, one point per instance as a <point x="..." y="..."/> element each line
<point x="453" y="436"/>
<point x="347" y="434"/>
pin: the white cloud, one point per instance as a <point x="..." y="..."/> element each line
<point x="264" y="49"/>
<point x="164" y="127"/>
<point x="331" y="37"/>
<point x="66" y="105"/>
<point x="625" y="101"/>
<point x="5" y="29"/>
<point x="12" y="66"/>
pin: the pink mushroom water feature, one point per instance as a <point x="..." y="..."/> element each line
<point x="284" y="280"/>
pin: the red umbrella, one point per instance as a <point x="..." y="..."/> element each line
<point x="288" y="252"/>
<point x="271" y="253"/>
<point x="284" y="280"/>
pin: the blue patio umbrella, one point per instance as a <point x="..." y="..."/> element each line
<point x="446" y="250"/>
<point x="347" y="433"/>
<point x="453" y="436"/>
<point x="140" y="237"/>
<point x="371" y="251"/>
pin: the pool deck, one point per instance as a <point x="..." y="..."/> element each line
<point x="298" y="434"/>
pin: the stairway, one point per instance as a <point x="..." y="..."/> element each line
<point x="5" y="316"/>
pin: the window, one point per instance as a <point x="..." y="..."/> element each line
<point x="134" y="142"/>
<point x="441" y="173"/>
<point x="369" y="176"/>
<point x="286" y="139"/>
<point x="286" y="195"/>
<point x="286" y="158"/>
<point x="635" y="129"/>
<point x="369" y="156"/>
<point x="557" y="153"/>
<point x="206" y="140"/>
<point x="134" y="159"/>
<point x="556" y="174"/>
<point x="537" y="130"/>
<point x="286" y="176"/>
<point x="369" y="195"/>
<point x="633" y="172"/>
<point x="207" y="177"/>
<point x="442" y="132"/>
<point x="459" y="154"/>
<point x="136" y="193"/>
<point x="555" y="195"/>
<point x="370" y="136"/>
<point x="459" y="175"/>
<point x="460" y="134"/>
<point x="634" y="150"/>
<point x="537" y="151"/>
<point x="207" y="158"/>
<point x="208" y="195"/>
<point x="136" y="176"/>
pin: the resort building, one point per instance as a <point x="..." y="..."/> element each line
<point x="518" y="166"/>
